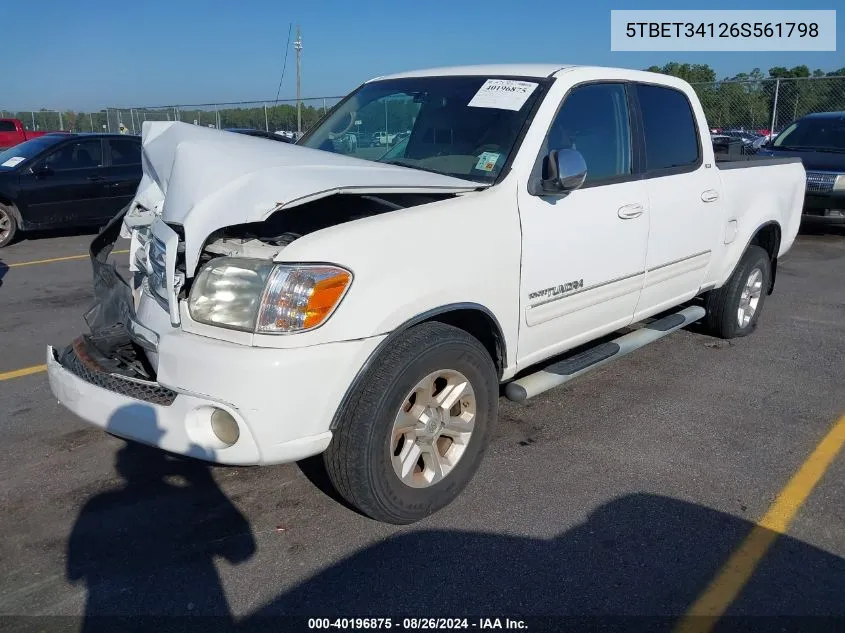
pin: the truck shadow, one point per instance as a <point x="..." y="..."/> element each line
<point x="642" y="559"/>
<point x="146" y="551"/>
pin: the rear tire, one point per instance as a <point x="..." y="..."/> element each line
<point x="734" y="309"/>
<point x="414" y="434"/>
<point x="8" y="226"/>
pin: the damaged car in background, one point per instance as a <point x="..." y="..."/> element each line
<point x="286" y="301"/>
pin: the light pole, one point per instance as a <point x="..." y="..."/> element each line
<point x="297" y="45"/>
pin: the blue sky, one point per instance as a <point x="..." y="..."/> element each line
<point x="96" y="53"/>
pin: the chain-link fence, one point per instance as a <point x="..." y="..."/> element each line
<point x="271" y="116"/>
<point x="768" y="105"/>
<point x="753" y="106"/>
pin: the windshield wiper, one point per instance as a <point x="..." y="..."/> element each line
<point x="413" y="166"/>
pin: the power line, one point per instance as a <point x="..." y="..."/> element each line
<point x="287" y="48"/>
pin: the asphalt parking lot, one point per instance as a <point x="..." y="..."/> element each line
<point x="622" y="493"/>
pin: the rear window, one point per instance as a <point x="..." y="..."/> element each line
<point x="7" y="126"/>
<point x="669" y="128"/>
<point x="125" y="152"/>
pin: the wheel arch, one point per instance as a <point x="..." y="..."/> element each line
<point x="473" y="318"/>
<point x="768" y="237"/>
<point x="7" y="202"/>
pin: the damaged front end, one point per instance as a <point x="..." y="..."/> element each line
<point x="112" y="355"/>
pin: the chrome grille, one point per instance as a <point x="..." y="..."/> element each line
<point x="820" y="182"/>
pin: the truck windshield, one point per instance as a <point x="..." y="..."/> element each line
<point x="817" y="134"/>
<point x="466" y="127"/>
<point x="19" y="154"/>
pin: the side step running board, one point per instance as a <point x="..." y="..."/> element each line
<point x="567" y="369"/>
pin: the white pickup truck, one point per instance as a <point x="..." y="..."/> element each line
<point x="292" y="300"/>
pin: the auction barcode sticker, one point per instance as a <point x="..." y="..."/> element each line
<point x="711" y="30"/>
<point x="503" y="94"/>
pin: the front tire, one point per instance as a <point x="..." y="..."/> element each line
<point x="734" y="309"/>
<point x="413" y="436"/>
<point x="8" y="226"/>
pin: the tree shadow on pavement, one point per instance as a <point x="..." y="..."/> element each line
<point x="642" y="559"/>
<point x="148" y="548"/>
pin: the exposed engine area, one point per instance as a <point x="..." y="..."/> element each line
<point x="267" y="239"/>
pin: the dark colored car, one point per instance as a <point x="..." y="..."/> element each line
<point x="819" y="140"/>
<point x="260" y="133"/>
<point x="66" y="180"/>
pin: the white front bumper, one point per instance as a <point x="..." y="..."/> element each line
<point x="283" y="399"/>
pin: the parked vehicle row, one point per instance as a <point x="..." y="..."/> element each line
<point x="369" y="308"/>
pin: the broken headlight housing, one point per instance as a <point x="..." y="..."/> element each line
<point x="258" y="296"/>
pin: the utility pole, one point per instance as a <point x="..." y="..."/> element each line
<point x="297" y="45"/>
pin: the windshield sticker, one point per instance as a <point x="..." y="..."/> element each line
<point x="502" y="94"/>
<point x="487" y="161"/>
<point x="14" y="160"/>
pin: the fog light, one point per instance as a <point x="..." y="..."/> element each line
<point x="224" y="427"/>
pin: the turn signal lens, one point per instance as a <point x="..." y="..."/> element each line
<point x="325" y="296"/>
<point x="300" y="298"/>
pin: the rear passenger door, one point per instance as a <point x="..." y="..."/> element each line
<point x="583" y="252"/>
<point x="684" y="198"/>
<point x="122" y="174"/>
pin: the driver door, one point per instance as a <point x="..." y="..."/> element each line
<point x="67" y="188"/>
<point x="583" y="252"/>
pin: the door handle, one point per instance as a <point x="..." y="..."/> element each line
<point x="711" y="195"/>
<point x="630" y="211"/>
<point x="95" y="178"/>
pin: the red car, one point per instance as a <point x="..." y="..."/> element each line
<point x="12" y="132"/>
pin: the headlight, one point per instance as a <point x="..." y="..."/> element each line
<point x="267" y="298"/>
<point x="839" y="183"/>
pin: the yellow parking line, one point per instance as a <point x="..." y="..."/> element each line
<point x="59" y="259"/>
<point x="26" y="371"/>
<point x="705" y="612"/>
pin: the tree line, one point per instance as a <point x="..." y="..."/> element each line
<point x="754" y="99"/>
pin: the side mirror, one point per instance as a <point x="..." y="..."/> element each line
<point x="567" y="171"/>
<point x="42" y="170"/>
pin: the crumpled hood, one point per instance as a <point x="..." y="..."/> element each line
<point x="209" y="179"/>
